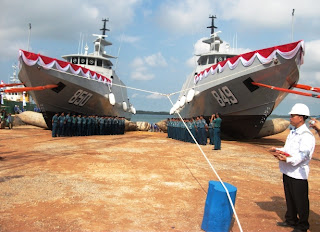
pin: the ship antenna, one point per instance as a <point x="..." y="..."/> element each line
<point x="119" y="52"/>
<point x="29" y="35"/>
<point x="292" y="25"/>
<point x="212" y="23"/>
<point x="104" y="29"/>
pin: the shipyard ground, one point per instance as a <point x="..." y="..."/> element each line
<point x="140" y="181"/>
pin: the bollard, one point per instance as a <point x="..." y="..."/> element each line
<point x="218" y="211"/>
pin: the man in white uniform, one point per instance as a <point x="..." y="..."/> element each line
<point x="294" y="160"/>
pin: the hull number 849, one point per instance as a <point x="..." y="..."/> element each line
<point x="224" y="96"/>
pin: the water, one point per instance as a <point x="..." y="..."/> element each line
<point x="154" y="118"/>
<point x="150" y="118"/>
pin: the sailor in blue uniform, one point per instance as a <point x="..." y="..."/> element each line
<point x="93" y="124"/>
<point x="84" y="126"/>
<point x="178" y="125"/>
<point x="168" y="128"/>
<point x="54" y="125"/>
<point x="193" y="129"/>
<point x="183" y="130"/>
<point x="105" y="121"/>
<point x="197" y="125"/>
<point x="97" y="125"/>
<point x="216" y="130"/>
<point x="73" y="125"/>
<point x="201" y="130"/>
<point x="89" y="126"/>
<point x="187" y="134"/>
<point x="211" y="132"/>
<point x="174" y="128"/>
<point x="67" y="131"/>
<point x="62" y="122"/>
<point x="79" y="125"/>
<point x="101" y="125"/>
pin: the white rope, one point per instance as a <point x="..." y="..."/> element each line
<point x="141" y="90"/>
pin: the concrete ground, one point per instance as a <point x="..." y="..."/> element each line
<point x="140" y="181"/>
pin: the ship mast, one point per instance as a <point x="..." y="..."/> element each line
<point x="104" y="29"/>
<point x="214" y="41"/>
<point x="212" y="23"/>
<point x="13" y="78"/>
<point x="100" y="42"/>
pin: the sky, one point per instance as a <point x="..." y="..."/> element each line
<point x="155" y="40"/>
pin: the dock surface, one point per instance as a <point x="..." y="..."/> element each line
<point x="140" y="181"/>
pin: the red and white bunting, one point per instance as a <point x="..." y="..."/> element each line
<point x="31" y="59"/>
<point x="265" y="56"/>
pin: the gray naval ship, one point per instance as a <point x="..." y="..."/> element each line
<point x="85" y="83"/>
<point x="224" y="82"/>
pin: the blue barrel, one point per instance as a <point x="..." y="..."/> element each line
<point x="218" y="211"/>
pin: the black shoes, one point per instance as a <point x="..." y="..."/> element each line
<point x="285" y="224"/>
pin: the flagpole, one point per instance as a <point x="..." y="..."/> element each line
<point x="29" y="35"/>
<point x="292" y="25"/>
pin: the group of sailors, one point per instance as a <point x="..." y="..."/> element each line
<point x="198" y="128"/>
<point x="82" y="125"/>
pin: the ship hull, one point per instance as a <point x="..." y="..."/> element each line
<point x="74" y="94"/>
<point x="243" y="107"/>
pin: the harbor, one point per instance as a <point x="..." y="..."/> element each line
<point x="149" y="183"/>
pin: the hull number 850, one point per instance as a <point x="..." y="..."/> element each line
<point x="80" y="98"/>
<point x="224" y="96"/>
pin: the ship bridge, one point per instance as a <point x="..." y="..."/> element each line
<point x="99" y="58"/>
<point x="214" y="55"/>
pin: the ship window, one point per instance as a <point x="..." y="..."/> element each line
<point x="99" y="62"/>
<point x="74" y="60"/>
<point x="203" y="60"/>
<point x="83" y="60"/>
<point x="91" y="61"/>
<point x="105" y="64"/>
<point x="211" y="59"/>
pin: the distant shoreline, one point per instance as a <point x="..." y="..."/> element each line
<point x="152" y="112"/>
